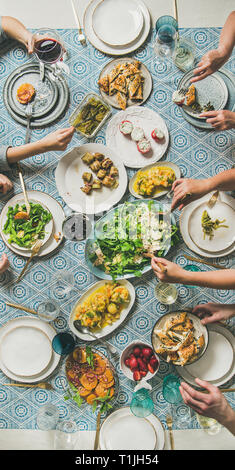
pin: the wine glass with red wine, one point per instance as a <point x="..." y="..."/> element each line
<point x="49" y="49"/>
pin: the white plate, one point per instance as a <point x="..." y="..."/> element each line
<point x="25" y="350"/>
<point x="20" y="201"/>
<point x="121" y="430"/>
<point x="184" y="221"/>
<point x="68" y="177"/>
<point x="58" y="217"/>
<point x="126" y="147"/>
<point x="166" y="164"/>
<point x="212" y="88"/>
<point x="109" y="328"/>
<point x="115" y="50"/>
<point x="219" y="358"/>
<point x="117" y="22"/>
<point x="223" y="236"/>
<point x="46" y="328"/>
<point x="147" y="87"/>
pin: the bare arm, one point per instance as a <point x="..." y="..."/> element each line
<point x="57" y="140"/>
<point x="189" y="190"/>
<point x="16" y="30"/>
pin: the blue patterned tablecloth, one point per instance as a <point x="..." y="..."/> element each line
<point x="199" y="154"/>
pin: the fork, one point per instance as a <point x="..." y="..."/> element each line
<point x="81" y="36"/>
<point x="44" y="385"/>
<point x="213" y="199"/>
<point x="28" y="114"/>
<point x="169" y="422"/>
<point x="35" y="249"/>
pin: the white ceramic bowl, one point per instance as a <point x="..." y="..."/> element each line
<point x="127" y="351"/>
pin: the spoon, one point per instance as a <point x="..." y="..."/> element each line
<point x="86" y="330"/>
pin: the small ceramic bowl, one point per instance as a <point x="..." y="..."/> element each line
<point x="127" y="351"/>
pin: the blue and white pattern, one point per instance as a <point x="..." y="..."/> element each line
<point x="198" y="153"/>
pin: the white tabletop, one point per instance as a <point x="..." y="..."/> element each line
<point x="59" y="14"/>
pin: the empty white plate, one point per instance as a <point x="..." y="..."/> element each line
<point x="117" y="22"/>
<point x="25" y="351"/>
<point x="223" y="237"/>
<point x="121" y="430"/>
<point x="216" y="361"/>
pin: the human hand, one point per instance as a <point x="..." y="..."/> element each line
<point x="4" y="263"/>
<point x="212" y="404"/>
<point x="208" y="64"/>
<point x="188" y="190"/>
<point x="221" y="120"/>
<point x="214" y="312"/>
<point x="57" y="140"/>
<point x="5" y="184"/>
<point x="173" y="272"/>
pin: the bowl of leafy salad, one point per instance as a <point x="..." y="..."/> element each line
<point x="22" y="230"/>
<point x="125" y="238"/>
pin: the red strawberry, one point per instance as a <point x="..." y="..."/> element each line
<point x="143" y="373"/>
<point x="147" y="352"/>
<point x="136" y="351"/>
<point x="127" y="362"/>
<point x="137" y="375"/>
<point x="153" y="362"/>
<point x="133" y="362"/>
<point x="142" y="365"/>
<point x="151" y="369"/>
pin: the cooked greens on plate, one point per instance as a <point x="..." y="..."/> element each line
<point x="24" y="229"/>
<point x="209" y="225"/>
<point x="127" y="233"/>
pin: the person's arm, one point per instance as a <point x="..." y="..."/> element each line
<point x="57" y="140"/>
<point x="5" y="184"/>
<point x="189" y="190"/>
<point x="212" y="312"/>
<point x="16" y="30"/>
<point x="221" y="120"/>
<point x="215" y="58"/>
<point x="219" y="279"/>
<point x="212" y="404"/>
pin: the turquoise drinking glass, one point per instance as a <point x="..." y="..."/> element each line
<point x="142" y="404"/>
<point x="166" y="20"/>
<point x="170" y="389"/>
<point x="63" y="343"/>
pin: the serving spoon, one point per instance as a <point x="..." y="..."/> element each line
<point x="86" y="330"/>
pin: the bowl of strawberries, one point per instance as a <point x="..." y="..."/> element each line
<point x="139" y="361"/>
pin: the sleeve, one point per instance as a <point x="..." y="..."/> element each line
<point x="3" y="35"/>
<point x="4" y="165"/>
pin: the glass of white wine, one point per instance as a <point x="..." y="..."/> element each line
<point x="210" y="425"/>
<point x="166" y="293"/>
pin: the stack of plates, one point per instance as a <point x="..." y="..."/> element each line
<point x="50" y="100"/>
<point x="223" y="241"/>
<point x="26" y="353"/>
<point x="217" y="88"/>
<point x="217" y="365"/>
<point x="116" y="27"/>
<point x="121" y="430"/>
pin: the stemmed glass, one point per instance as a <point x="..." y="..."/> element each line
<point x="164" y="43"/>
<point x="49" y="49"/>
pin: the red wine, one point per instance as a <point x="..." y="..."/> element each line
<point x="48" y="50"/>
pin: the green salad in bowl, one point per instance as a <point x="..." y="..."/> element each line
<point x="126" y="234"/>
<point x="22" y="229"/>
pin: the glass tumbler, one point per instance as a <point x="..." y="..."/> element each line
<point x="47" y="417"/>
<point x="65" y="435"/>
<point x="170" y="389"/>
<point x="141" y="404"/>
<point x="48" y="310"/>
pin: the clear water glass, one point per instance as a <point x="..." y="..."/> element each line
<point x="48" y="310"/>
<point x="141" y="404"/>
<point x="63" y="343"/>
<point x="48" y="417"/>
<point x="63" y="284"/>
<point x="184" y="54"/>
<point x="166" y="293"/>
<point x="170" y="389"/>
<point x="164" y="43"/>
<point x="65" y="435"/>
<point x="181" y="416"/>
<point x="209" y="425"/>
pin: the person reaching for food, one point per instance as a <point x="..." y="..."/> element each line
<point x="188" y="190"/>
<point x="173" y="273"/>
<point x="212" y="312"/>
<point x="212" y="404"/>
<point x="210" y="63"/>
<point x="12" y="28"/>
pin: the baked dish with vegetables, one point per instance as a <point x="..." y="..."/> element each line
<point x="25" y="229"/>
<point x="152" y="181"/>
<point x="91" y="378"/>
<point x="179" y="342"/>
<point x="105" y="170"/>
<point x="103" y="307"/>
